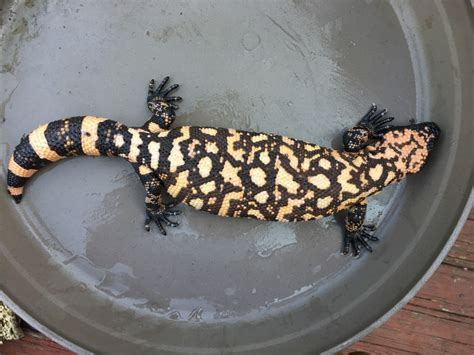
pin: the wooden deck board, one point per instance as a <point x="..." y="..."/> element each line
<point x="438" y="320"/>
<point x="33" y="343"/>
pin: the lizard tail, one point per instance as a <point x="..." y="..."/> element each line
<point x="82" y="135"/>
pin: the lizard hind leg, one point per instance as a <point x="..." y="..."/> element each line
<point x="157" y="210"/>
<point x="371" y="126"/>
<point x="162" y="106"/>
<point x="357" y="235"/>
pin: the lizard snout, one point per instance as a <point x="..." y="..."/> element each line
<point x="430" y="131"/>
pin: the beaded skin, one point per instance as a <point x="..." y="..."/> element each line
<point x="235" y="173"/>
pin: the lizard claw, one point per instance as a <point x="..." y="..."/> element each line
<point x="375" y="122"/>
<point x="160" y="218"/>
<point x="358" y="241"/>
<point x="161" y="93"/>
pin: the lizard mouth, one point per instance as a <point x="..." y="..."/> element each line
<point x="433" y="129"/>
<point x="430" y="131"/>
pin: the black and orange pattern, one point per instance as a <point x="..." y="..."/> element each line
<point x="235" y="173"/>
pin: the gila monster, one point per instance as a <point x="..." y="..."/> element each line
<point x="236" y="173"/>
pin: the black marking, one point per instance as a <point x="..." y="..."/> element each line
<point x="64" y="136"/>
<point x="106" y="131"/>
<point x="15" y="180"/>
<point x="17" y="198"/>
<point x="26" y="157"/>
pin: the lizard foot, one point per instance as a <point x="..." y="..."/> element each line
<point x="160" y="217"/>
<point x="161" y="93"/>
<point x="375" y="122"/>
<point x="358" y="240"/>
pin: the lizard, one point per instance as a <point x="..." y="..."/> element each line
<point x="237" y="173"/>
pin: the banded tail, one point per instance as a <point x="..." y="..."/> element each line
<point x="82" y="135"/>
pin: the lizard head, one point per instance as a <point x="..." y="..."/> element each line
<point x="407" y="147"/>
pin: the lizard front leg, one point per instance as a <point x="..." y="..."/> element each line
<point x="156" y="209"/>
<point x="162" y="106"/>
<point x="371" y="126"/>
<point x="357" y="235"/>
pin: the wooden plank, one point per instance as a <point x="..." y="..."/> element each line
<point x="450" y="290"/>
<point x="364" y="347"/>
<point x="467" y="232"/>
<point x="33" y="343"/>
<point x="414" y="331"/>
<point x="462" y="253"/>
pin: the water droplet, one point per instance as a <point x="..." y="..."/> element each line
<point x="250" y="41"/>
<point x="230" y="291"/>
<point x="316" y="269"/>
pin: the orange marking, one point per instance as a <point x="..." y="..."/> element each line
<point x="285" y="179"/>
<point x="209" y="131"/>
<point x="324" y="202"/>
<point x="176" y="158"/>
<point x="320" y="181"/>
<point x="208" y="187"/>
<point x="197" y="203"/>
<point x="205" y="167"/>
<point x="181" y="182"/>
<point x="358" y="161"/>
<point x="237" y="154"/>
<point x="135" y="144"/>
<point x="211" y="147"/>
<point x="119" y="141"/>
<point x="390" y="178"/>
<point x="154" y="128"/>
<point x="288" y="209"/>
<point x="306" y="164"/>
<point x="308" y="217"/>
<point x="311" y="147"/>
<point x="89" y="135"/>
<point x="256" y="214"/>
<point x="324" y="163"/>
<point x="15" y="191"/>
<point x="154" y="150"/>
<point x="264" y="157"/>
<point x="259" y="138"/>
<point x="230" y="174"/>
<point x="235" y="195"/>
<point x="40" y="145"/>
<point x="288" y="152"/>
<point x="144" y="170"/>
<point x="258" y="176"/>
<point x="262" y="197"/>
<point x="18" y="170"/>
<point x="375" y="173"/>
